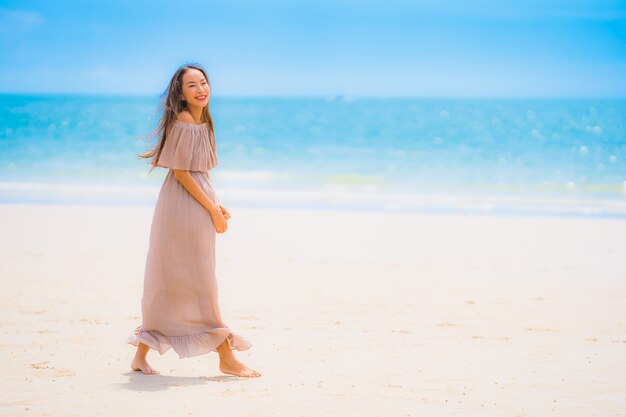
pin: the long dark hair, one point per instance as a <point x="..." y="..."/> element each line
<point x="172" y="103"/>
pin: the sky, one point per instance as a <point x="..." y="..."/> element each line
<point x="434" y="48"/>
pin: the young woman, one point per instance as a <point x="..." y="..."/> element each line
<point x="179" y="305"/>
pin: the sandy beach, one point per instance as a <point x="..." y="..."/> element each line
<point x="350" y="314"/>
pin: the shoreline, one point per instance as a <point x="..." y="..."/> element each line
<point x="331" y="198"/>
<point x="329" y="210"/>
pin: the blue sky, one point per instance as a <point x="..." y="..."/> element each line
<point x="562" y="48"/>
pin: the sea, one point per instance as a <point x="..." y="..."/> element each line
<point x="488" y="156"/>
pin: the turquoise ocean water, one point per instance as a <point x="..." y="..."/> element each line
<point x="489" y="156"/>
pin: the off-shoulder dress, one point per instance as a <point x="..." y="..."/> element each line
<point x="179" y="305"/>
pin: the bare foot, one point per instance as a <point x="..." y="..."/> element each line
<point x="233" y="367"/>
<point x="139" y="364"/>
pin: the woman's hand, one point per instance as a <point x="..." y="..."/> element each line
<point x="219" y="221"/>
<point x="225" y="212"/>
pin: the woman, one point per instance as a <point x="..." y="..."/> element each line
<point x="179" y="305"/>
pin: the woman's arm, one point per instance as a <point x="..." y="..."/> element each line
<point x="187" y="181"/>
<point x="190" y="184"/>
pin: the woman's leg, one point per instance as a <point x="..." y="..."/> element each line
<point x="140" y="363"/>
<point x="230" y="365"/>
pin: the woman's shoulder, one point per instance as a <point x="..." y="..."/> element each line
<point x="185" y="116"/>
<point x="184" y="121"/>
<point x="188" y="146"/>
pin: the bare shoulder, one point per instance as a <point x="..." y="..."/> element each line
<point x="185" y="116"/>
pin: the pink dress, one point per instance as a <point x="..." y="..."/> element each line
<point x="179" y="305"/>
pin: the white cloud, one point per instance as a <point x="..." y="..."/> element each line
<point x="18" y="21"/>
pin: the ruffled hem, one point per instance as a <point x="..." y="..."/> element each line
<point x="188" y="147"/>
<point x="189" y="345"/>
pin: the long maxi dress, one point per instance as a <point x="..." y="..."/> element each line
<point x="179" y="305"/>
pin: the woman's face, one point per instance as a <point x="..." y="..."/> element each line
<point x="196" y="90"/>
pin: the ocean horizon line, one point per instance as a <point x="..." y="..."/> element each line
<point x="324" y="96"/>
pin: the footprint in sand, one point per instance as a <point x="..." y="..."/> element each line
<point x="491" y="338"/>
<point x="92" y="321"/>
<point x="448" y="324"/>
<point x="540" y="329"/>
<point x="48" y="369"/>
<point x="40" y="365"/>
<point x="32" y="311"/>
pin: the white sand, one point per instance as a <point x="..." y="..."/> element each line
<point x="350" y="314"/>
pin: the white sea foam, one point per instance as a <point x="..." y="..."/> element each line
<point x="536" y="133"/>
<point x="76" y="192"/>
<point x="249" y="176"/>
<point x="597" y="130"/>
<point x="328" y="196"/>
<point x="396" y="153"/>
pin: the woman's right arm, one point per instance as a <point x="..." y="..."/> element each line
<point x="190" y="184"/>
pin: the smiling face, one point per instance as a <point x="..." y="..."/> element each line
<point x="196" y="90"/>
